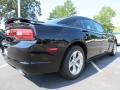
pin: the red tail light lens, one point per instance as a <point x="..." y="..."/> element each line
<point x="22" y="34"/>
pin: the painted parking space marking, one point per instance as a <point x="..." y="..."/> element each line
<point x="96" y="67"/>
<point x="2" y="66"/>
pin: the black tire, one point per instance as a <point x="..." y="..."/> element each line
<point x="114" y="50"/>
<point x="65" y="71"/>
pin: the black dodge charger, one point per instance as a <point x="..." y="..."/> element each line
<point x="60" y="45"/>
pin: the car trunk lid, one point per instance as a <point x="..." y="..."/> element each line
<point x="20" y="37"/>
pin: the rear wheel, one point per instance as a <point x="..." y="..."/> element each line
<point x="73" y="63"/>
<point x="114" y="50"/>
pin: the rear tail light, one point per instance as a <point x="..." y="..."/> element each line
<point x="22" y="34"/>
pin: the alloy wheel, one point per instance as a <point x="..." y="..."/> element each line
<point x="76" y="62"/>
<point x="115" y="48"/>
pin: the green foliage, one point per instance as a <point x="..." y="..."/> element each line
<point x="67" y="9"/>
<point x="105" y="17"/>
<point x="29" y="9"/>
<point x="117" y="29"/>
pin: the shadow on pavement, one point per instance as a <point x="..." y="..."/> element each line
<point x="54" y="81"/>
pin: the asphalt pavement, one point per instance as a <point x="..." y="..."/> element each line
<point x="100" y="74"/>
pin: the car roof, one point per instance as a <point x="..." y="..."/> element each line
<point x="81" y="17"/>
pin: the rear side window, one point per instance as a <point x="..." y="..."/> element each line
<point x="73" y="22"/>
<point x="87" y="24"/>
<point x="99" y="27"/>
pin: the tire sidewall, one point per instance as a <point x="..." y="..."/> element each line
<point x="112" y="52"/>
<point x="65" y="67"/>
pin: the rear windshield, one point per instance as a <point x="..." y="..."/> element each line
<point x="54" y="20"/>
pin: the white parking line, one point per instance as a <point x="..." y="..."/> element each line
<point x="2" y="66"/>
<point x="96" y="67"/>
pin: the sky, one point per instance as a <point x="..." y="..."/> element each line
<point x="87" y="8"/>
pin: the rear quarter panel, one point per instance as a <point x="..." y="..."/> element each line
<point x="56" y="36"/>
<point x="60" y="36"/>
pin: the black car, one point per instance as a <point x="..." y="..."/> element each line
<point x="117" y="35"/>
<point x="60" y="45"/>
<point x="2" y="37"/>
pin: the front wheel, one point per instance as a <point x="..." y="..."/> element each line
<point x="114" y="50"/>
<point x="73" y="63"/>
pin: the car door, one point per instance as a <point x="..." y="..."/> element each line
<point x="104" y="38"/>
<point x="93" y="38"/>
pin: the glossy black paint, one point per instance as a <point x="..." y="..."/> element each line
<point x="2" y="36"/>
<point x="32" y="56"/>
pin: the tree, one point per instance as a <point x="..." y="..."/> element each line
<point x="117" y="29"/>
<point x="105" y="17"/>
<point x="67" y="9"/>
<point x="29" y="9"/>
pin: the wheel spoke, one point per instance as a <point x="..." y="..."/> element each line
<point x="78" y="58"/>
<point x="74" y="69"/>
<point x="74" y="55"/>
<point x="70" y="64"/>
<point x="78" y="65"/>
<point x="76" y="62"/>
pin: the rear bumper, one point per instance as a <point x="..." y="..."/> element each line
<point x="32" y="68"/>
<point x="33" y="58"/>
